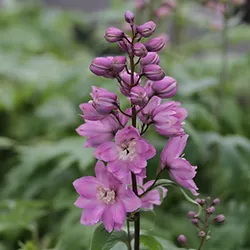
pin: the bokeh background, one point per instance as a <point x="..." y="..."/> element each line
<point x="45" y="51"/>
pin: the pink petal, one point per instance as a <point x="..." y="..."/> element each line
<point x="183" y="169"/>
<point x="92" y="216"/>
<point x="82" y="202"/>
<point x="107" y="219"/>
<point x="141" y="146"/>
<point x="173" y="149"/>
<point x="106" y="152"/>
<point x="131" y="201"/>
<point x="95" y="141"/>
<point x="118" y="212"/>
<point x="86" y="186"/>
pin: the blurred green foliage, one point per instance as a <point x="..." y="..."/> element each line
<point x="44" y="57"/>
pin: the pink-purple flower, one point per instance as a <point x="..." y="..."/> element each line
<point x="168" y="118"/>
<point x="104" y="199"/>
<point x="129" y="153"/>
<point x="179" y="168"/>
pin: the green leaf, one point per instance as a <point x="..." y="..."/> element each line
<point x="102" y="240"/>
<point x="150" y="242"/>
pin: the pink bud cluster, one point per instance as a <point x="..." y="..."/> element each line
<point x="203" y="221"/>
<point x="117" y="135"/>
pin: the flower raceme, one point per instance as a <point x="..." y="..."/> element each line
<point x="119" y="187"/>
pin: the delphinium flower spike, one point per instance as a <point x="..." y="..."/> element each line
<point x="119" y="189"/>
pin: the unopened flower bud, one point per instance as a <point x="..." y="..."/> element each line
<point x="124" y="45"/>
<point x="103" y="100"/>
<point x="191" y="214"/>
<point x="100" y="66"/>
<point x="113" y="35"/>
<point x="146" y="29"/>
<point x="138" y="96"/>
<point x="150" y="58"/>
<point x="195" y="221"/>
<point x="165" y="88"/>
<point x="200" y="201"/>
<point x="118" y="64"/>
<point x="219" y="218"/>
<point x="156" y="44"/>
<point x="202" y="234"/>
<point x="216" y="201"/>
<point x="126" y="83"/>
<point x="153" y="72"/>
<point x="140" y="50"/>
<point x="182" y="239"/>
<point x="129" y="17"/>
<point x="210" y="210"/>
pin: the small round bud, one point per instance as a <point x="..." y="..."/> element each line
<point x="156" y="44"/>
<point x="129" y="17"/>
<point x="113" y="35"/>
<point x="118" y="64"/>
<point x="182" y="239"/>
<point x="140" y="50"/>
<point x="195" y="221"/>
<point x="100" y="66"/>
<point x="219" y="218"/>
<point x="165" y="88"/>
<point x="148" y="88"/>
<point x="210" y="210"/>
<point x="146" y="29"/>
<point x="103" y="100"/>
<point x="202" y="234"/>
<point x="138" y="96"/>
<point x="216" y="201"/>
<point x="200" y="201"/>
<point x="125" y="84"/>
<point x="150" y="58"/>
<point x="124" y="45"/>
<point x="153" y="72"/>
<point x="163" y="11"/>
<point x="191" y="214"/>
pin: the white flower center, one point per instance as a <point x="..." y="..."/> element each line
<point x="106" y="195"/>
<point x="127" y="150"/>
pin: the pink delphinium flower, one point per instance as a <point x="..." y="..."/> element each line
<point x="153" y="197"/>
<point x="104" y="198"/>
<point x="179" y="168"/>
<point x="98" y="132"/>
<point x="168" y="118"/>
<point x="129" y="152"/>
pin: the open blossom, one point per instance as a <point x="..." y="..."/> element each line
<point x="168" y="118"/>
<point x="98" y="132"/>
<point x="153" y="197"/>
<point x="104" y="198"/>
<point x="129" y="152"/>
<point x="179" y="168"/>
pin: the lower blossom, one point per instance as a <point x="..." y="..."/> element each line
<point x="179" y="168"/>
<point x="104" y="199"/>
